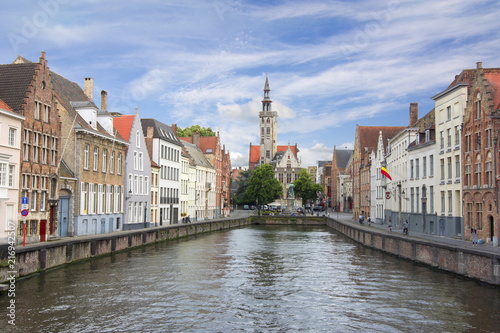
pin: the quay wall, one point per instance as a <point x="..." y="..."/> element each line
<point x="38" y="257"/>
<point x="468" y="262"/>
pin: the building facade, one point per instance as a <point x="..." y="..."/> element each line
<point x="10" y="162"/>
<point x="137" y="174"/>
<point x="27" y="88"/>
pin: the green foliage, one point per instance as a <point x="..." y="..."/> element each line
<point x="262" y="186"/>
<point x="188" y="131"/>
<point x="305" y="187"/>
<point x="241" y="197"/>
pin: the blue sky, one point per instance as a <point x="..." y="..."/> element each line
<point x="331" y="64"/>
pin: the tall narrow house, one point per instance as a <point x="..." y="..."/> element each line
<point x="27" y="88"/>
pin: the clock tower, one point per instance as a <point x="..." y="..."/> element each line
<point x="268" y="128"/>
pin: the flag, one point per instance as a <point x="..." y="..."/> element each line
<point x="384" y="171"/>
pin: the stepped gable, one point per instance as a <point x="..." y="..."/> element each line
<point x="14" y="82"/>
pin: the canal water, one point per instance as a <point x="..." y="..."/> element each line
<point x="252" y="279"/>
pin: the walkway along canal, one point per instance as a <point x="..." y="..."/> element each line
<point x="478" y="263"/>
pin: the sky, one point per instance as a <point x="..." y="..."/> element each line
<point x="331" y="65"/>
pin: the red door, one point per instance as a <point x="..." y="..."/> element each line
<point x="43" y="230"/>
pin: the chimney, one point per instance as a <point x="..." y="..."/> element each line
<point x="196" y="139"/>
<point x="174" y="128"/>
<point x="88" y="87"/>
<point x="479" y="64"/>
<point x="150" y="132"/>
<point x="104" y="100"/>
<point x="413" y="113"/>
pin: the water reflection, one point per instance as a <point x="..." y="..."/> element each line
<point x="254" y="279"/>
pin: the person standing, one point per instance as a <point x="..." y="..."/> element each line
<point x="474" y="237"/>
<point x="405" y="228"/>
<point x="389" y="225"/>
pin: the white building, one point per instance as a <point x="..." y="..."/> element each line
<point x="204" y="184"/>
<point x="10" y="150"/>
<point x="165" y="150"/>
<point x="449" y="108"/>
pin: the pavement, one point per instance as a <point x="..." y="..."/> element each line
<point x="486" y="248"/>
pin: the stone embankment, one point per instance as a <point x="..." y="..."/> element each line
<point x="469" y="262"/>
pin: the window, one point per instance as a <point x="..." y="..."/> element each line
<point x="119" y="162"/>
<point x="457" y="167"/>
<point x="478" y="180"/>
<point x="53" y="157"/>
<point x="450" y="202"/>
<point x="3" y="174"/>
<point x="46" y="112"/>
<point x="467" y="143"/>
<point x="26" y="146"/>
<point x="479" y="215"/>
<point x="136" y="162"/>
<point x="478" y="107"/>
<point x="141" y="162"/>
<point x="146" y="185"/>
<point x="431" y="166"/>
<point x="424" y="166"/>
<point x="112" y="162"/>
<point x="468" y="171"/>
<point x="448" y="132"/>
<point x="449" y="168"/>
<point x="12" y="136"/>
<point x="442" y="169"/>
<point x="138" y="139"/>
<point x="12" y="172"/>
<point x="34" y="194"/>
<point x="96" y="158"/>
<point x="431" y="199"/>
<point x="36" y="148"/>
<point x="43" y="198"/>
<point x="36" y="111"/>
<point x="417" y="168"/>
<point x="448" y="112"/>
<point x="86" y="148"/>
<point x="478" y="140"/>
<point x="489" y="138"/>
<point x="489" y="173"/>
<point x="441" y="140"/>
<point x="443" y="201"/>
<point x="457" y="136"/>
<point x="104" y="160"/>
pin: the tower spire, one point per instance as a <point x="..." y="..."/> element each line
<point x="266" y="102"/>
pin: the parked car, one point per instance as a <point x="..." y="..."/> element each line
<point x="245" y="207"/>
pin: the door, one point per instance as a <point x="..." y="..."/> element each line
<point x="442" y="227"/>
<point x="43" y="230"/>
<point x="103" y="226"/>
<point x="63" y="216"/>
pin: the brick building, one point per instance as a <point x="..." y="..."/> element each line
<point x="481" y="126"/>
<point x="27" y="88"/>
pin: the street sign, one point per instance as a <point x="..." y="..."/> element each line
<point x="24" y="212"/>
<point x="24" y="200"/>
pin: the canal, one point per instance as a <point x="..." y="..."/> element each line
<point x="253" y="279"/>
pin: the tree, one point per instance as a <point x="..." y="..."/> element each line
<point x="241" y="197"/>
<point x="305" y="188"/>
<point x="262" y="186"/>
<point x="188" y="131"/>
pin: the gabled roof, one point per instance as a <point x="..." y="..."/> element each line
<point x="255" y="152"/>
<point x="123" y="124"/>
<point x="208" y="144"/>
<point x="199" y="159"/>
<point x="368" y="135"/>
<point x="5" y="107"/>
<point x="14" y="82"/>
<point x="342" y="157"/>
<point x="70" y="95"/>
<point x="161" y="131"/>
<point x="493" y="77"/>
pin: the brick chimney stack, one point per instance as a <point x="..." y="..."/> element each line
<point x="88" y="87"/>
<point x="104" y="100"/>
<point x="196" y="139"/>
<point x="174" y="128"/>
<point x="413" y="113"/>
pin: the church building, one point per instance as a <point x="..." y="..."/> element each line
<point x="283" y="158"/>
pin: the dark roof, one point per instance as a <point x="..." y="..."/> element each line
<point x="342" y="157"/>
<point x="70" y="94"/>
<point x="14" y="82"/>
<point x="161" y="131"/>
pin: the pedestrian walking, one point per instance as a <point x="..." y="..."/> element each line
<point x="405" y="228"/>
<point x="369" y="220"/>
<point x="361" y="219"/>
<point x="389" y="225"/>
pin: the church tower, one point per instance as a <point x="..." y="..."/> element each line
<point x="268" y="128"/>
